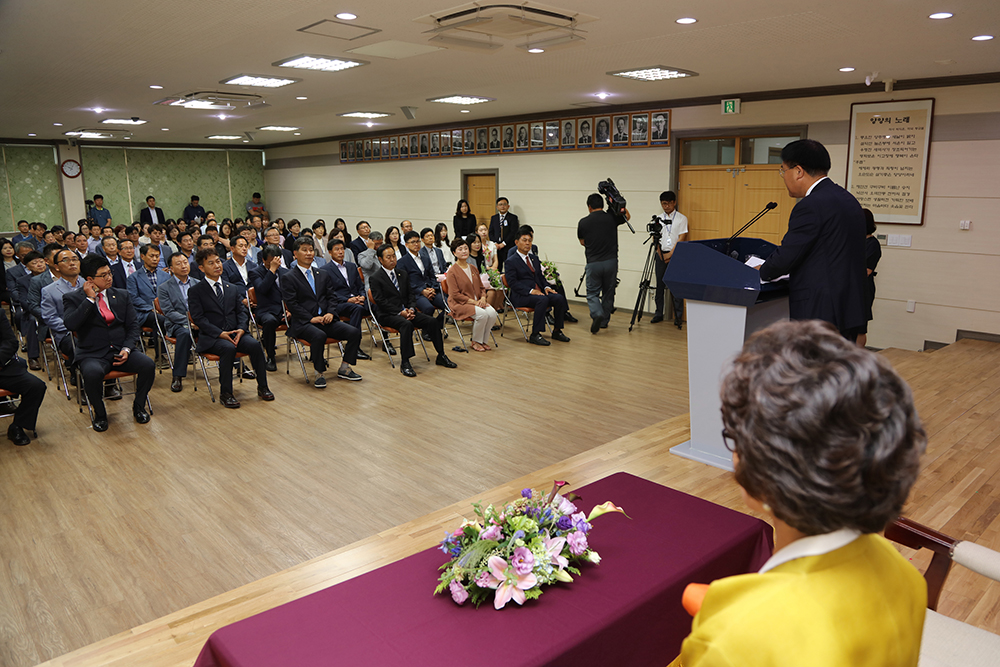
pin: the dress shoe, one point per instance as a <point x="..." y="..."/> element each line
<point x="100" y="424"/>
<point x="34" y="365"/>
<point x="141" y="416"/>
<point x="163" y="363"/>
<point x="389" y="348"/>
<point x="265" y="394"/>
<point x="177" y="385"/>
<point x="570" y="318"/>
<point x="249" y="375"/>
<point x="17" y="435"/>
<point x="496" y="327"/>
<point x="112" y="393"/>
<point x="348" y="375"/>
<point x="443" y="360"/>
<point x="595" y="324"/>
<point x="678" y="324"/>
<point x="320" y="382"/>
<point x="604" y="324"/>
<point x="406" y="369"/>
<point x="363" y="355"/>
<point x="536" y="339"/>
<point x="228" y="401"/>
<point x="271" y="366"/>
<point x="72" y="378"/>
<point x="560" y="336"/>
<point x="550" y="320"/>
<point x="656" y="319"/>
<point x="426" y="336"/>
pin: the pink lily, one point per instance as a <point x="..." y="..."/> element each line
<point x="508" y="584"/>
<point x="554" y="547"/>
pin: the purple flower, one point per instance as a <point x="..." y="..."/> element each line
<point x="456" y="550"/>
<point x="491" y="533"/>
<point x="564" y="505"/>
<point x="564" y="523"/>
<point x="577" y="542"/>
<point x="519" y="535"/>
<point x="458" y="592"/>
<point x="525" y="493"/>
<point x="524" y="560"/>
<point x="580" y="522"/>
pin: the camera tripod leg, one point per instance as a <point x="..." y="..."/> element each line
<point x="644" y="285"/>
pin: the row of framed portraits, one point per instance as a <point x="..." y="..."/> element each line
<point x="634" y="130"/>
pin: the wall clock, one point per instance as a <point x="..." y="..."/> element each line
<point x="71" y="168"/>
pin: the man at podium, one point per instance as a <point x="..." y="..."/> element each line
<point x="824" y="249"/>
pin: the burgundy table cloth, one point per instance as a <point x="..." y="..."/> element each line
<point x="625" y="611"/>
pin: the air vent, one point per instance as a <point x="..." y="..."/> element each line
<point x="214" y="100"/>
<point x="338" y="30"/>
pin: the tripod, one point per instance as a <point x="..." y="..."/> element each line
<point x="646" y="279"/>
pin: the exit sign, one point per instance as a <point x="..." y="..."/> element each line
<point x="730" y="106"/>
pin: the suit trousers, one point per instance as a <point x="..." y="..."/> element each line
<point x="33" y="332"/>
<point x="427" y="306"/>
<point x="355" y="311"/>
<point x="659" y="267"/>
<point x="182" y="350"/>
<point x="30" y="388"/>
<point x="94" y="369"/>
<point x="226" y="352"/>
<point x="268" y="325"/>
<point x="405" y="327"/>
<point x="148" y="320"/>
<point x="541" y="303"/>
<point x="601" y="279"/>
<point x="66" y="347"/>
<point x="316" y="335"/>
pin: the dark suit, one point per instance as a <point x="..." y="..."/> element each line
<point x="34" y="295"/>
<point x="269" y="310"/>
<point x="358" y="245"/>
<point x="503" y="232"/>
<point x="419" y="280"/>
<point x="425" y="255"/>
<point x="521" y="280"/>
<point x="304" y="304"/>
<point x="231" y="273"/>
<point x="14" y="377"/>
<point x="343" y="290"/>
<point x="175" y="312"/>
<point x="212" y="316"/>
<point x="464" y="226"/>
<point x="145" y="217"/>
<point x="389" y="302"/>
<point x="142" y="292"/>
<point x="31" y="328"/>
<point x="824" y="253"/>
<point x="119" y="279"/>
<point x="98" y="342"/>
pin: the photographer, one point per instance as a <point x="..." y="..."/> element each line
<point x="673" y="230"/>
<point x="598" y="234"/>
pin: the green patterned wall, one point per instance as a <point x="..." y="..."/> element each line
<point x="104" y="174"/>
<point x="6" y="222"/>
<point x="32" y="178"/>
<point x="247" y="173"/>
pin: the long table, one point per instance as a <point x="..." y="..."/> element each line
<point x="626" y="610"/>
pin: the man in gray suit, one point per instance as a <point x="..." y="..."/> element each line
<point x="43" y="279"/>
<point x="52" y="304"/>
<point x="172" y="294"/>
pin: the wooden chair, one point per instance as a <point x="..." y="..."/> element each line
<point x="450" y="315"/>
<point x="947" y="642"/>
<point x="509" y="306"/>
<point x="382" y="330"/>
<point x="211" y="358"/>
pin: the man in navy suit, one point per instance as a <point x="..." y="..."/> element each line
<point x="217" y="310"/>
<point x="503" y="228"/>
<point x="142" y="286"/>
<point x="309" y="298"/>
<point x="107" y="338"/>
<point x="129" y="263"/>
<point x="423" y="284"/>
<point x="269" y="306"/>
<point x="172" y="293"/>
<point x="528" y="289"/>
<point x="432" y="256"/>
<point x="238" y="269"/>
<point x="824" y="249"/>
<point x="347" y="285"/>
<point x="359" y="244"/>
<point x="152" y="213"/>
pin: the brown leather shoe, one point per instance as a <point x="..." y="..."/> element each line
<point x="34" y="365"/>
<point x="177" y="385"/>
<point x="265" y="394"/>
<point x="228" y="401"/>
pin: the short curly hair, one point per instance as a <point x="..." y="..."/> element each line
<point x="825" y="431"/>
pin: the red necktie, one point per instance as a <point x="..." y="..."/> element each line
<point x="527" y="261"/>
<point x="102" y="306"/>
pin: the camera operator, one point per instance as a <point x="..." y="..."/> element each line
<point x="673" y="230"/>
<point x="598" y="234"/>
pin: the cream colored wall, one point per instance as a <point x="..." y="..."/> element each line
<point x="953" y="275"/>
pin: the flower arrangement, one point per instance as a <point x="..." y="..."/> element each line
<point x="551" y="273"/>
<point x="495" y="280"/>
<point x="511" y="552"/>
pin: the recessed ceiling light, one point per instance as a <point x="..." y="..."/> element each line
<point x="322" y="63"/>
<point x="687" y="21"/>
<point x="278" y="128"/>
<point x="655" y="73"/>
<point x="346" y="16"/>
<point x="31" y="134"/>
<point x="302" y="97"/>
<point x="941" y="15"/>
<point x="227" y="137"/>
<point x="603" y="96"/>
<point x="370" y="124"/>
<point x="98" y="110"/>
<point x="157" y="87"/>
<point x="297" y="134"/>
<point x="465" y="111"/>
<point x="258" y="81"/>
<point x="126" y="137"/>
<point x="246" y="141"/>
<point x="123" y="121"/>
<point x="536" y="50"/>
<point x="846" y="69"/>
<point x="165" y="129"/>
<point x="982" y="38"/>
<point x="365" y="114"/>
<point x="461" y="99"/>
<point x="222" y="116"/>
<point x="57" y="124"/>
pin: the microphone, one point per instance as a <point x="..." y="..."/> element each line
<point x="770" y="206"/>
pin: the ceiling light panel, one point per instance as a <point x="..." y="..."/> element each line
<point x="462" y="99"/>
<point x="258" y="81"/>
<point x="278" y="128"/>
<point x="227" y="137"/>
<point x="123" y="121"/>
<point x="365" y="114"/>
<point x="319" y="63"/>
<point x="655" y="73"/>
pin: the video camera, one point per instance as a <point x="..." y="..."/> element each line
<point x="653" y="226"/>
<point x="616" y="203"/>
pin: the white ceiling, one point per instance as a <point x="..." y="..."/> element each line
<point x="59" y="60"/>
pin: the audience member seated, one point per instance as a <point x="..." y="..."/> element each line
<point x="130" y="263"/>
<point x="347" y="285"/>
<point x="157" y="238"/>
<point x="185" y="245"/>
<point x="34" y="265"/>
<point x="173" y="295"/>
<point x="422" y="281"/>
<point x="560" y="289"/>
<point x="217" y="310"/>
<point x="359" y="244"/>
<point x="528" y="289"/>
<point x="368" y="260"/>
<point x="15" y="273"/>
<point x="110" y="248"/>
<point x="394" y="306"/>
<point x="107" y="338"/>
<point x="826" y="442"/>
<point x="273" y="237"/>
<point x="443" y="243"/>
<point x="269" y="304"/>
<point x="477" y="258"/>
<point x="52" y="304"/>
<point x="142" y="286"/>
<point x="434" y="260"/>
<point x="468" y="298"/>
<point x="15" y="378"/>
<point x="247" y="232"/>
<point x="43" y="279"/>
<point x="308" y="295"/>
<point x="238" y="269"/>
<point x="294" y="231"/>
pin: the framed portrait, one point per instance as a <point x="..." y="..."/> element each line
<point x="359" y="150"/>
<point x="659" y="128"/>
<point x="414" y="146"/>
<point x="368" y="149"/>
<point x="456" y="142"/>
<point x="446" y="142"/>
<point x="393" y="148"/>
<point x="350" y="151"/>
<point x="385" y="147"/>
<point x="602" y="131"/>
<point x="435" y="144"/>
<point x="424" y="145"/>
<point x="508" y="139"/>
<point x="585" y="133"/>
<point x="343" y="151"/>
<point x="494" y="137"/>
<point x="537" y="136"/>
<point x="482" y="140"/>
<point x="470" y="141"/>
<point x="551" y="135"/>
<point x="404" y="146"/>
<point x="640" y="129"/>
<point x="619" y="131"/>
<point x="376" y="149"/>
<point x="567" y="136"/>
<point x="522" y="137"/>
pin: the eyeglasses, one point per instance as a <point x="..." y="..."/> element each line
<point x="727" y="440"/>
<point x="103" y="275"/>
<point x="782" y="170"/>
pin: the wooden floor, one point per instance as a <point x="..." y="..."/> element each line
<point x="153" y="536"/>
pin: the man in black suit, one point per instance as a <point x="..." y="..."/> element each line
<point x="422" y="282"/>
<point x="503" y="228"/>
<point x="269" y="307"/>
<point x="238" y="269"/>
<point x="107" y="338"/>
<point x="347" y="286"/>
<point x="309" y="298"/>
<point x="528" y="288"/>
<point x="15" y="378"/>
<point x="217" y="310"/>
<point x="394" y="305"/>
<point x="824" y="248"/>
<point x="152" y="213"/>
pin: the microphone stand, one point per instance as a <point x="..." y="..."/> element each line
<point x="770" y="206"/>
